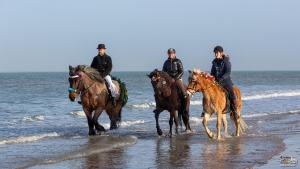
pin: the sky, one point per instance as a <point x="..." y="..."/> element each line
<point x="49" y="35"/>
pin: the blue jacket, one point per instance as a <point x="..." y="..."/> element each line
<point x="221" y="70"/>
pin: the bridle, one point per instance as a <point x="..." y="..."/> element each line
<point x="192" y="89"/>
<point x="76" y="90"/>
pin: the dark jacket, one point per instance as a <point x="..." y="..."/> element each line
<point x="221" y="70"/>
<point x="174" y="68"/>
<point x="103" y="64"/>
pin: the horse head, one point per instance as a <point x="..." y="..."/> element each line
<point x="161" y="82"/>
<point x="198" y="81"/>
<point x="74" y="81"/>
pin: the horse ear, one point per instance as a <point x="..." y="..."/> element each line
<point x="70" y="67"/>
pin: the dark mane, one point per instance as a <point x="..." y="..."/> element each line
<point x="90" y="72"/>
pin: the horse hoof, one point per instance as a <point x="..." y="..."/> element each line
<point x="170" y="135"/>
<point x="92" y="133"/>
<point x="159" y="132"/>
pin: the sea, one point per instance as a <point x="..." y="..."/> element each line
<point x="41" y="128"/>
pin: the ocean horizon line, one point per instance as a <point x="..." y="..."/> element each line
<point x="136" y="71"/>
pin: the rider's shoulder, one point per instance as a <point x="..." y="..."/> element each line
<point x="226" y="58"/>
<point x="107" y="56"/>
<point x="177" y="60"/>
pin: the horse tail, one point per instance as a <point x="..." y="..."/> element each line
<point x="123" y="97"/>
<point x="123" y="91"/>
<point x="243" y="124"/>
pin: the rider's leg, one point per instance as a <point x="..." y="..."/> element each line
<point x="184" y="95"/>
<point x="181" y="87"/>
<point x="112" y="89"/>
<point x="232" y="97"/>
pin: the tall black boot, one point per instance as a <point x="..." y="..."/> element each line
<point x="233" y="106"/>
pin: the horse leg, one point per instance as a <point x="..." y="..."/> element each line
<point x="98" y="127"/>
<point x="113" y="121"/>
<point x="224" y="119"/>
<point x="186" y="114"/>
<point x="219" y="124"/>
<point x="171" y="122"/>
<point x="238" y="124"/>
<point x="176" y="122"/>
<point x="205" y="124"/>
<point x="159" y="132"/>
<point x="90" y="121"/>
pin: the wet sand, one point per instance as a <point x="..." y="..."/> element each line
<point x="257" y="148"/>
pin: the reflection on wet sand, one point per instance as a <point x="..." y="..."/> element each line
<point x="173" y="152"/>
<point x="221" y="154"/>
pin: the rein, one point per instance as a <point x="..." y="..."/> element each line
<point x="71" y="90"/>
<point x="214" y="83"/>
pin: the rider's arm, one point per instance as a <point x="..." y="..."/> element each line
<point x="94" y="63"/>
<point x="213" y="71"/>
<point x="108" y="67"/>
<point x="180" y="70"/>
<point x="227" y="70"/>
<point x="165" y="67"/>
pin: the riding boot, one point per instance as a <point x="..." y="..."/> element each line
<point x="233" y="105"/>
<point x="113" y="101"/>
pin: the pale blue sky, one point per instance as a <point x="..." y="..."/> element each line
<point x="38" y="35"/>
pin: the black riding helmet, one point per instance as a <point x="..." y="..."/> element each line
<point x="171" y="50"/>
<point x="218" y="49"/>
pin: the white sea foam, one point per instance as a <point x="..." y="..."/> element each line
<point x="288" y="93"/>
<point x="246" y="115"/>
<point x="25" y="139"/>
<point x="143" y="105"/>
<point x="78" y="113"/>
<point x="131" y="123"/>
<point x="125" y="124"/>
<point x="33" y="118"/>
<point x="272" y="95"/>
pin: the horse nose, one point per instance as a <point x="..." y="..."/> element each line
<point x="72" y="96"/>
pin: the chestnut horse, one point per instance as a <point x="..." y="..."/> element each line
<point x="215" y="100"/>
<point x="168" y="98"/>
<point x="95" y="97"/>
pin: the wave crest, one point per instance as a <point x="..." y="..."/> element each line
<point x="25" y="139"/>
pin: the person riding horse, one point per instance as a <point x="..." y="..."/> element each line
<point x="103" y="63"/>
<point x="221" y="70"/>
<point x="173" y="66"/>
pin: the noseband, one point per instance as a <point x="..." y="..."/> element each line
<point x="72" y="90"/>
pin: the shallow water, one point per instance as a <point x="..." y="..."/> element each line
<point x="41" y="128"/>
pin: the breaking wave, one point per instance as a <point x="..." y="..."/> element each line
<point x="33" y="118"/>
<point x="149" y="105"/>
<point x="25" y="139"/>
<point x="247" y="115"/>
<point x="272" y="95"/>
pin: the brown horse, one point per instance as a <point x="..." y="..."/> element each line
<point x="215" y="100"/>
<point x="95" y="97"/>
<point x="168" y="98"/>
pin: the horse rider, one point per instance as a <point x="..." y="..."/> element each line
<point x="103" y="63"/>
<point x="173" y="66"/>
<point x="221" y="70"/>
